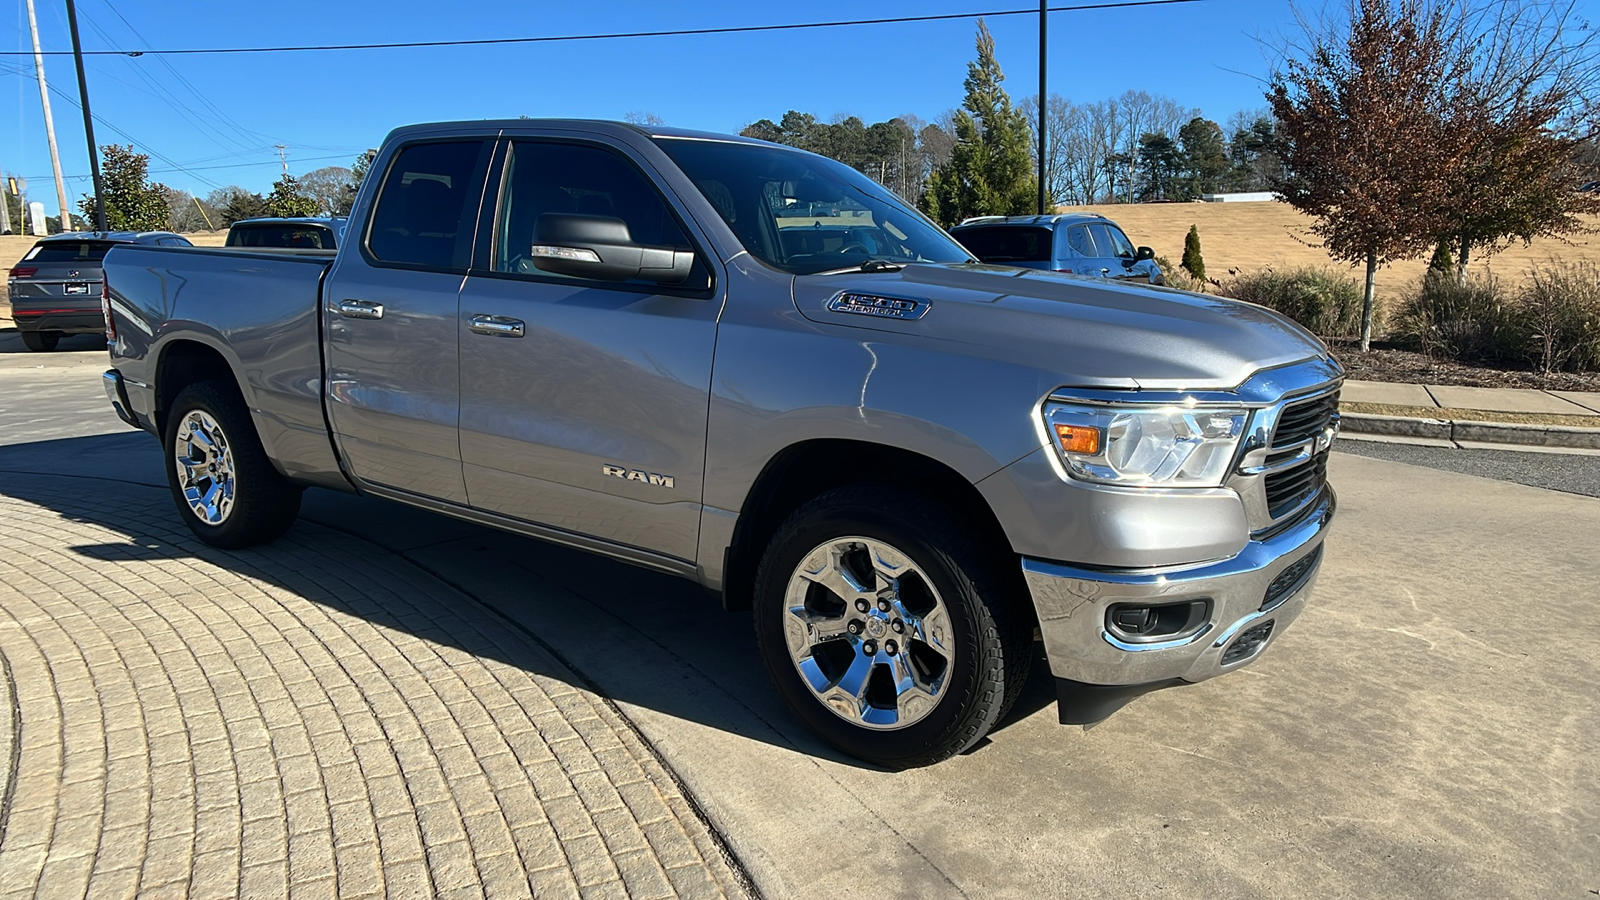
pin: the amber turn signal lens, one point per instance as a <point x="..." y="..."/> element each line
<point x="1078" y="439"/>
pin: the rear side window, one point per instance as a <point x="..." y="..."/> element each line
<point x="427" y="206"/>
<point x="1010" y="243"/>
<point x="69" y="251"/>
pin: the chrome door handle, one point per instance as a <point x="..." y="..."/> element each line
<point x="499" y="326"/>
<point x="360" y="309"/>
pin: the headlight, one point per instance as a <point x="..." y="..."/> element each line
<point x="1163" y="446"/>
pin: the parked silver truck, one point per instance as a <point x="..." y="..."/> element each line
<point x="646" y="344"/>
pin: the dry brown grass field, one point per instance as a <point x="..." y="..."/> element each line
<point x="1250" y="236"/>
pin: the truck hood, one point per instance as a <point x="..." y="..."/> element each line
<point x="1088" y="332"/>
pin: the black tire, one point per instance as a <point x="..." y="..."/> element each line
<point x="993" y="635"/>
<point x="40" y="341"/>
<point x="261" y="505"/>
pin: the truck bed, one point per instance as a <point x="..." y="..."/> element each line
<point x="258" y="310"/>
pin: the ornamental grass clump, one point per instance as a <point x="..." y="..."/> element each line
<point x="1326" y="302"/>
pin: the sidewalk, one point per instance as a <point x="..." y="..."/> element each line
<point x="317" y="718"/>
<point x="1471" y="417"/>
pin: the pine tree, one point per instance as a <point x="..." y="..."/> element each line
<point x="990" y="171"/>
<point x="1191" y="255"/>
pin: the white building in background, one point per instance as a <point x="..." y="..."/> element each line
<point x="1247" y="197"/>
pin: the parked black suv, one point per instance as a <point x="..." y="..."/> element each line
<point x="55" y="289"/>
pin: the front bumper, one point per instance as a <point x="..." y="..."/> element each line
<point x="1097" y="671"/>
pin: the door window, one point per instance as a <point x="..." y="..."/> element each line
<point x="1112" y="241"/>
<point x="1079" y="241"/>
<point x="556" y="178"/>
<point x="426" y="208"/>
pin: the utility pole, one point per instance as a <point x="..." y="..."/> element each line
<point x="1044" y="102"/>
<point x="49" y="121"/>
<point x="282" y="158"/>
<point x="5" y="203"/>
<point x="88" y="120"/>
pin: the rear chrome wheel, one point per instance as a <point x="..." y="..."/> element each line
<point x="868" y="633"/>
<point x="225" y="487"/>
<point x="204" y="467"/>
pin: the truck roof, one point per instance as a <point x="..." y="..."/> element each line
<point x="595" y="125"/>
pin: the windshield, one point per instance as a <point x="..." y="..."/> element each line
<point x="804" y="213"/>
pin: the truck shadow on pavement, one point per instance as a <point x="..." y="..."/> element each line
<point x="649" y="642"/>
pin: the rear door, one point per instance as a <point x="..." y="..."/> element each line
<point x="583" y="402"/>
<point x="389" y="316"/>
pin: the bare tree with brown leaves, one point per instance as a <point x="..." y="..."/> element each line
<point x="1524" y="109"/>
<point x="1362" y="110"/>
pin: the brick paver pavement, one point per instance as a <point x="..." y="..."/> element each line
<point x="317" y="718"/>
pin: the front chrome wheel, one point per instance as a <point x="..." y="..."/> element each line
<point x="205" y="467"/>
<point x="868" y="633"/>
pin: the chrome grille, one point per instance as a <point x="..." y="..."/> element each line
<point x="1300" y="422"/>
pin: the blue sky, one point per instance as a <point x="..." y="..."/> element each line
<point x="326" y="107"/>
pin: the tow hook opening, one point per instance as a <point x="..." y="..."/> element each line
<point x="1140" y="623"/>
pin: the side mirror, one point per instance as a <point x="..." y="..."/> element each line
<point x="1143" y="253"/>
<point x="601" y="247"/>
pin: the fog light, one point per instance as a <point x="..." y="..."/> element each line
<point x="1138" y="623"/>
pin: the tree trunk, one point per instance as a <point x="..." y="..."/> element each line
<point x="1366" y="302"/>
<point x="1461" y="261"/>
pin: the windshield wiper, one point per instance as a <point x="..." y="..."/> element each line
<point x="869" y="265"/>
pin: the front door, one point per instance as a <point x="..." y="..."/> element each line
<point x="583" y="402"/>
<point x="389" y="314"/>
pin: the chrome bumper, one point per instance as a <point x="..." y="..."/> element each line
<point x="1097" y="672"/>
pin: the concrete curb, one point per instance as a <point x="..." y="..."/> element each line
<point x="1453" y="430"/>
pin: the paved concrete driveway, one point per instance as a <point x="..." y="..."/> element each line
<point x="1426" y="729"/>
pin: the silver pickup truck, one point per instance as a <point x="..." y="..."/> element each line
<point x="649" y="344"/>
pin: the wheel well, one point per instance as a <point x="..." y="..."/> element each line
<point x="184" y="363"/>
<point x="805" y="470"/>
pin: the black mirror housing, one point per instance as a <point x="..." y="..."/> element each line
<point x="601" y="247"/>
<point x="1143" y="253"/>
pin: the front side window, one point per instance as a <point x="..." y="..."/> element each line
<point x="426" y="208"/>
<point x="1112" y="241"/>
<point x="805" y="214"/>
<point x="550" y="178"/>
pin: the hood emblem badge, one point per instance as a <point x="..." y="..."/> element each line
<point x="883" y="307"/>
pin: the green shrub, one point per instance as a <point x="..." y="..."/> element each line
<point x="1558" y="314"/>
<point x="1326" y="302"/>
<point x="1471" y="321"/>
<point x="1192" y="260"/>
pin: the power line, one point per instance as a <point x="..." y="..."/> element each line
<point x="681" y="32"/>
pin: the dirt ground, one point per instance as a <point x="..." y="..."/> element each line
<point x="1250" y="236"/>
